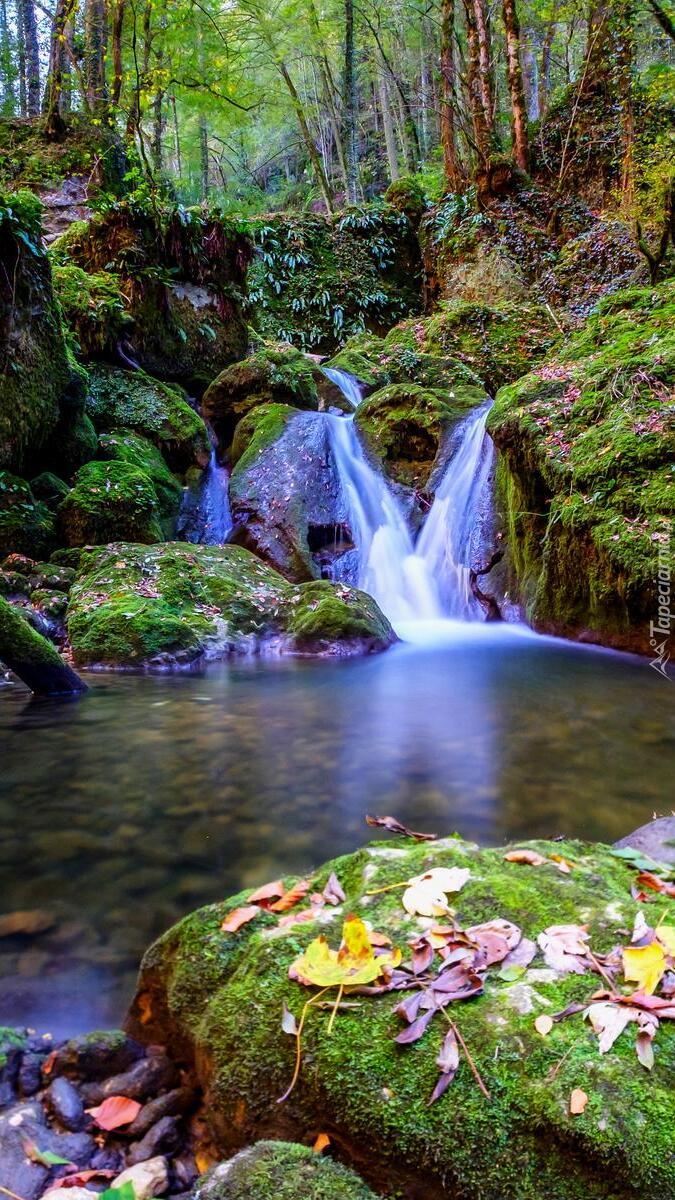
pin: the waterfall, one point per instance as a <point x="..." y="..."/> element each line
<point x="206" y="519"/>
<point x="428" y="581"/>
<point x="348" y="385"/>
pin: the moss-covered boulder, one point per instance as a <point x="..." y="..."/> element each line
<point x="273" y="375"/>
<point x="35" y="368"/>
<point x="108" y="501"/>
<point x="405" y="355"/>
<point x="281" y="1171"/>
<point x="217" y="999"/>
<point x="601" y="260"/>
<point x="133" y="400"/>
<point x="123" y="445"/>
<point x="49" y="487"/>
<point x="27" y="525"/>
<point x="587" y="474"/>
<point x="162" y="606"/>
<point x="409" y="428"/>
<point x="93" y="309"/>
<point x="32" y="658"/>
<point x="317" y="280"/>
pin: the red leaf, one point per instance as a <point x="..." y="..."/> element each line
<point x="114" y="1112"/>
<point x="270" y="891"/>
<point x="239" y="917"/>
<point x="80" y="1178"/>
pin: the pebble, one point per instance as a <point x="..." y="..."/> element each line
<point x="74" y="1193"/>
<point x="63" y="1099"/>
<point x="107" y="1160"/>
<point x="30" y="1073"/>
<point x="162" y="1138"/>
<point x="149" y="1178"/>
<point x="168" y="1105"/>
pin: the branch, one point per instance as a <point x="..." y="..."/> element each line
<point x="197" y="84"/>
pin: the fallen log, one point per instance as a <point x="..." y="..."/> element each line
<point x="35" y="661"/>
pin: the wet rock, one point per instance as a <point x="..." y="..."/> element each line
<point x="107" y="1160"/>
<point x="29" y="922"/>
<point x="656" y="839"/>
<point x="186" y="1171"/>
<point x="171" y="1104"/>
<point x="97" y="1055"/>
<point x="162" y="1138"/>
<point x="30" y="1073"/>
<point x="145" y="1078"/>
<point x="149" y="1178"/>
<point x="27" y="1123"/>
<point x="65" y="1104"/>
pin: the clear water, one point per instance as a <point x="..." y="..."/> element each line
<point x="154" y="795"/>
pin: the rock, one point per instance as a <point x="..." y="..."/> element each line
<point x="96" y="1055"/>
<point x="170" y="1104"/>
<point x="221" y="1014"/>
<point x="65" y="1104"/>
<point x="74" y="1193"/>
<point x="162" y="1138"/>
<point x="149" y="1178"/>
<point x="26" y="921"/>
<point x="656" y="839"/>
<point x="123" y="445"/>
<point x="49" y="487"/>
<point x="26" y="1123"/>
<point x="132" y="400"/>
<point x="37" y="664"/>
<point x="145" y="1078"/>
<point x="585" y="473"/>
<point x="109" y="501"/>
<point x="284" y="1171"/>
<point x="206" y="602"/>
<point x="107" y="1160"/>
<point x="30" y="1074"/>
<point x="277" y="374"/>
<point x="26" y="524"/>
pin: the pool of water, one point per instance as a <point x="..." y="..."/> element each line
<point x="153" y="795"/>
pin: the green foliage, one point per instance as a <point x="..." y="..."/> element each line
<point x="92" y="308"/>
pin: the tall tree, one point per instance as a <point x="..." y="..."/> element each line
<point x="514" y="76"/>
<point x="350" y="106"/>
<point x="55" y="125"/>
<point x="453" y="172"/>
<point x="28" y="23"/>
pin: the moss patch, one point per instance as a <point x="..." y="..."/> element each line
<point x="92" y="307"/>
<point x="26" y="524"/>
<point x="110" y="500"/>
<point x="281" y="1171"/>
<point x="123" y="445"/>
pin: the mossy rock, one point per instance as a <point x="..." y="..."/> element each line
<point x="27" y="525"/>
<point x="587" y="473"/>
<point x="51" y="604"/>
<point x="110" y="500"/>
<point x="133" y="400"/>
<point x="32" y="658"/>
<point x="217" y="999"/>
<point x="74" y="443"/>
<point x="49" y="487"/>
<point x="408" y="428"/>
<point x="93" y="308"/>
<point x="123" y="445"/>
<point x="35" y="368"/>
<point x="50" y="576"/>
<point x="281" y="1171"/>
<point x="403" y="356"/>
<point x="171" y="605"/>
<point x="273" y="375"/>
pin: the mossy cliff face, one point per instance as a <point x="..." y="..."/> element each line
<point x="587" y="474"/>
<point x="146" y="607"/>
<point x="35" y="369"/>
<point x="181" y="276"/>
<point x="217" y="999"/>
<point x="315" y="281"/>
<point x="275" y="374"/>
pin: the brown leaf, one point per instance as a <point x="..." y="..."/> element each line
<point x="114" y="1112"/>
<point x="321" y="1142"/>
<point x="654" y="884"/>
<point x="269" y="891"/>
<point x="415" y="1031"/>
<point x="578" y="1102"/>
<point x="565" y="948"/>
<point x="291" y="897"/>
<point x="298" y="918"/>
<point x="528" y="858"/>
<point x="239" y="917"/>
<point x="395" y="826"/>
<point x="333" y="893"/>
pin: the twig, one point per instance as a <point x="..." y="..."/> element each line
<point x="553" y="316"/>
<point x="467" y="1054"/>
<point x="6" y="1192"/>
<point x="554" y="1070"/>
<point x="601" y="971"/>
<point x="389" y="887"/>
<point x="298" y="1047"/>
<point x="335" y="1008"/>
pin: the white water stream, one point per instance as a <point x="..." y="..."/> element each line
<point x="427" y="581"/>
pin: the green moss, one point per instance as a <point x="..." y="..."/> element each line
<point x="122" y="445"/>
<point x="135" y="605"/>
<point x="589" y="469"/>
<point x="222" y="997"/>
<point x="110" y="500"/>
<point x="255" y="432"/>
<point x="282" y="1171"/>
<point x="49" y="487"/>
<point x="158" y="411"/>
<point x="273" y="375"/>
<point x="26" y="524"/>
<point x="52" y="604"/>
<point x="74" y="443"/>
<point x="19" y="643"/>
<point x="31" y="159"/>
<point x="92" y="307"/>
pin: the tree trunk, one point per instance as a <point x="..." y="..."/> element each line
<point x="350" y="106"/>
<point x="531" y="75"/>
<point x="388" y="127"/>
<point x="486" y="73"/>
<point x="453" y="172"/>
<point x="95" y="46"/>
<point x="204" y="183"/>
<point x="117" y="30"/>
<point x="310" y="145"/>
<point x="545" y="69"/>
<point x="330" y="92"/>
<point x="26" y="13"/>
<point x="483" y="134"/>
<point x="514" y="76"/>
<point x="7" y="74"/>
<point x="55" y="126"/>
<point x="176" y="138"/>
<point x="33" y="659"/>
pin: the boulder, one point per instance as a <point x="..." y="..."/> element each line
<point x="273" y="375"/>
<point x="27" y="525"/>
<point x="120" y="399"/>
<point x="217" y="999"/>
<point x="32" y="658"/>
<point x="108" y="501"/>
<point x="26" y="1124"/>
<point x="123" y="445"/>
<point x="656" y="839"/>
<point x="283" y="1170"/>
<point x="158" y="607"/>
<point x="96" y="1055"/>
<point x="585" y="475"/>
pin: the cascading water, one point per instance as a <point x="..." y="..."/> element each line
<point x="206" y="518"/>
<point x="429" y="581"/>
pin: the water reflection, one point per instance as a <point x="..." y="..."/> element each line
<point x="154" y="795"/>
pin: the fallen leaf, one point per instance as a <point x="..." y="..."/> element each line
<point x="144" y="1006"/>
<point x="239" y="917"/>
<point x="578" y="1102"/>
<point x="608" y="1021"/>
<point x="563" y="864"/>
<point x="46" y="1158"/>
<point x="321" y="1142"/>
<point x="655" y="884"/>
<point x="333" y="893"/>
<point x="288" y="1022"/>
<point x="425" y="895"/>
<point x="291" y="897"/>
<point x="644" y="965"/>
<point x="447" y="1062"/>
<point x="269" y="891"/>
<point x="543" y="1025"/>
<point x="395" y="826"/>
<point x="528" y="858"/>
<point x="565" y="948"/>
<point x="114" y="1112"/>
<point x="666" y="936"/>
<point x="80" y="1178"/>
<point x="353" y="964"/>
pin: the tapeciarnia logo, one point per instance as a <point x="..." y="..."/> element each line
<point x="660" y="630"/>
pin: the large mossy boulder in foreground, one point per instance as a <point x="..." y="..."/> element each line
<point x="217" y="999"/>
<point x="157" y="411"/>
<point x="32" y="658"/>
<point x="281" y="1171"/>
<point x="172" y="605"/>
<point x="587" y="474"/>
<point x="273" y="375"/>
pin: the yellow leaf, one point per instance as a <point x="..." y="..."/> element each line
<point x="353" y="964"/>
<point x="321" y="1142"/>
<point x="666" y="936"/>
<point x="645" y="966"/>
